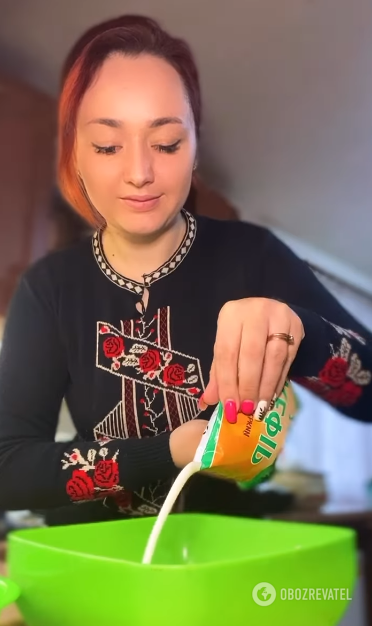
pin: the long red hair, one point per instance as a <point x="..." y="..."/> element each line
<point x="130" y="35"/>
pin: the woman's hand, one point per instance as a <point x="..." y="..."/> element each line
<point x="249" y="367"/>
<point x="184" y="441"/>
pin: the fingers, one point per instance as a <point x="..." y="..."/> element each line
<point x="275" y="359"/>
<point x="210" y="396"/>
<point x="226" y="355"/>
<point x="251" y="361"/>
<point x="248" y="371"/>
<point x="274" y="370"/>
<point x="223" y="384"/>
<point x="279" y="356"/>
<point x="296" y="330"/>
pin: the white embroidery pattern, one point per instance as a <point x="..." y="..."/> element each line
<point x="355" y="372"/>
<point x="342" y="378"/>
<point x="350" y="334"/>
<point x="160" y="389"/>
<point x="166" y="269"/>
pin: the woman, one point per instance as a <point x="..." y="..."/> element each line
<point x="160" y="315"/>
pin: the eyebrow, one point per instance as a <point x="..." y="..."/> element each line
<point x="157" y="123"/>
<point x="163" y="121"/>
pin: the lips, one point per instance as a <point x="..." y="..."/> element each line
<point x="141" y="198"/>
<point x="141" y="203"/>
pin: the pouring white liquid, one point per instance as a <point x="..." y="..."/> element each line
<point x="239" y="452"/>
<point x="166" y="509"/>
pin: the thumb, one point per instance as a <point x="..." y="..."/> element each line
<point x="210" y="395"/>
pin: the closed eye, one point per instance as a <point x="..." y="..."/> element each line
<point x="105" y="149"/>
<point x="170" y="148"/>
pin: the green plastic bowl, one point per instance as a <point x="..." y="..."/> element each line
<point x="9" y="592"/>
<point x="204" y="572"/>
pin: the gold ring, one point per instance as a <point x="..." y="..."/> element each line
<point x="289" y="339"/>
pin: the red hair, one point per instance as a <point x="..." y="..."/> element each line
<point x="130" y="35"/>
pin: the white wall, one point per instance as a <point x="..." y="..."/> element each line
<point x="288" y="101"/>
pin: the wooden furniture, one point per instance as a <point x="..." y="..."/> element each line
<point x="204" y="200"/>
<point x="27" y="170"/>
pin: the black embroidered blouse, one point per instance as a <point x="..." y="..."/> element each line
<point x="73" y="331"/>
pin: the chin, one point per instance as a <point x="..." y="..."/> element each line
<point x="146" y="224"/>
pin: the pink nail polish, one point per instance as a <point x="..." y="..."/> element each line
<point x="247" y="407"/>
<point x="230" y="411"/>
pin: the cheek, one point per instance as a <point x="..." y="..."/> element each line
<point x="99" y="173"/>
<point x="176" y="173"/>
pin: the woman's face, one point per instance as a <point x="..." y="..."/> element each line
<point x="136" y="144"/>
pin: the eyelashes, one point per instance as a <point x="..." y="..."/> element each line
<point x="163" y="149"/>
<point x="169" y="149"/>
<point x="105" y="149"/>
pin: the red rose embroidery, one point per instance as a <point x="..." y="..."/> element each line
<point x="113" y="347"/>
<point x="101" y="495"/>
<point x="347" y="395"/>
<point x="106" y="474"/>
<point x="193" y="390"/>
<point x="334" y="372"/>
<point x="104" y="330"/>
<point x="116" y="365"/>
<point x="123" y="499"/>
<point x="80" y="486"/>
<point x="102" y="439"/>
<point x="313" y="384"/>
<point x="174" y="374"/>
<point x="149" y="361"/>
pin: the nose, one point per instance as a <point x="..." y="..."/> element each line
<point x="138" y="166"/>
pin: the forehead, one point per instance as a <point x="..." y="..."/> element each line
<point x="135" y="89"/>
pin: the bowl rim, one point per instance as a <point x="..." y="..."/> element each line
<point x="338" y="534"/>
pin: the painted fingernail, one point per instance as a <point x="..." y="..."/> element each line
<point x="230" y="411"/>
<point x="261" y="410"/>
<point x="272" y="403"/>
<point x="202" y="404"/>
<point x="247" y="407"/>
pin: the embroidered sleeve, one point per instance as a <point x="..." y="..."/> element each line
<point x="33" y="380"/>
<point x="94" y="476"/>
<point x="335" y="357"/>
<point x="93" y="471"/>
<point x="336" y="364"/>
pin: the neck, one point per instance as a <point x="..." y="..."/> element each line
<point x="135" y="256"/>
